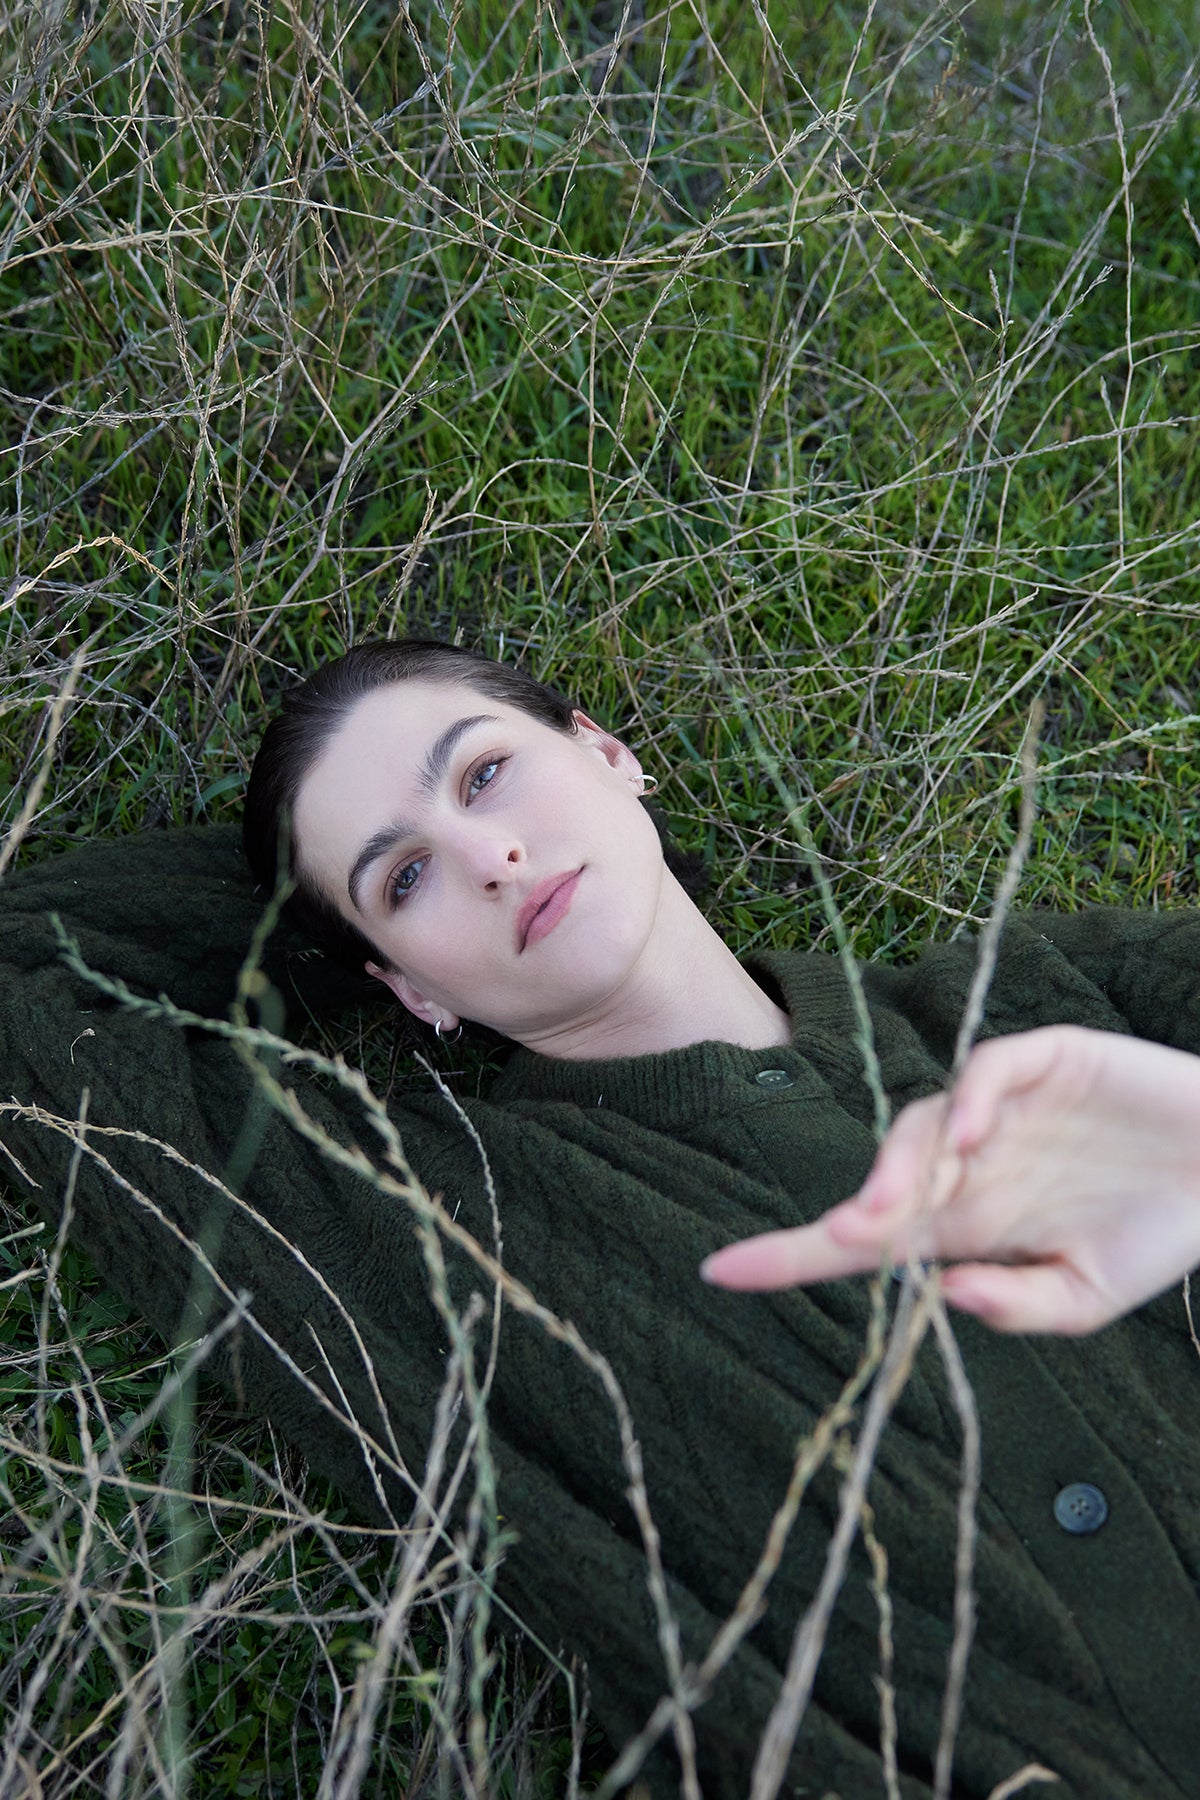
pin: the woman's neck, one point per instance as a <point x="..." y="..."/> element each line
<point x="687" y="987"/>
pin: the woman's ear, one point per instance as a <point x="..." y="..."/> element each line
<point x="416" y="1002"/>
<point x="617" y="755"/>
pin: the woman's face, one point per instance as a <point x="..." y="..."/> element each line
<point x="506" y="869"/>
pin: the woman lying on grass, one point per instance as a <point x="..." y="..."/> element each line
<point x="479" y="848"/>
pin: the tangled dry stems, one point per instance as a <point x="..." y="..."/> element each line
<point x="573" y="330"/>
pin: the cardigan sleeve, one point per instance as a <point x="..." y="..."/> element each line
<point x="1106" y="968"/>
<point x="190" y="1191"/>
<point x="1146" y="964"/>
<point x="166" y="912"/>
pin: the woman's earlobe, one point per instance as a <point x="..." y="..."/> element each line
<point x="412" y="999"/>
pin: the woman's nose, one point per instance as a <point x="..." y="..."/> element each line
<point x="495" y="861"/>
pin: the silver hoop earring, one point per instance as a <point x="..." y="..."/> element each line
<point x="649" y="786"/>
<point x="447" y="1037"/>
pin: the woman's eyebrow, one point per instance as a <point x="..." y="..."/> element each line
<point x="428" y="777"/>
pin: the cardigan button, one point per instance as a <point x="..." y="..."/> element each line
<point x="1080" y="1508"/>
<point x="774" y="1078"/>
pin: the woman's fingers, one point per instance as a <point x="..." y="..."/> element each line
<point x="890" y="1215"/>
<point x="913" y="1174"/>
<point x="777" y="1259"/>
<point x="1049" y="1296"/>
<point x="923" y="1197"/>
<point x="999" y="1070"/>
<point x="1061" y="1179"/>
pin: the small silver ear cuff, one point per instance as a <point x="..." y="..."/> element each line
<point x="447" y="1037"/>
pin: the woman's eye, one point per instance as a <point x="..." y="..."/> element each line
<point x="405" y="880"/>
<point x="484" y="775"/>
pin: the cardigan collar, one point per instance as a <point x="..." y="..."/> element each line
<point x="670" y="1088"/>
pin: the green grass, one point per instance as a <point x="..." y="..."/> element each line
<point x="836" y="366"/>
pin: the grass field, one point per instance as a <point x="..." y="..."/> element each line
<point x="809" y="388"/>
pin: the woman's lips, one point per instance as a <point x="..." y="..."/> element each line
<point x="547" y="904"/>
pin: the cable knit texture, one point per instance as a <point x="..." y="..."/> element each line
<point x="613" y="1180"/>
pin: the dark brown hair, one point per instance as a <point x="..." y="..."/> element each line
<point x="295" y="740"/>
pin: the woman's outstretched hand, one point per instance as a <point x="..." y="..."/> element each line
<point x="1060" y="1179"/>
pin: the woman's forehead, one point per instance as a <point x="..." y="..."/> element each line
<point x="389" y="732"/>
<point x="401" y="721"/>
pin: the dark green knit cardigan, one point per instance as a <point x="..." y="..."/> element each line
<point x="613" y="1180"/>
